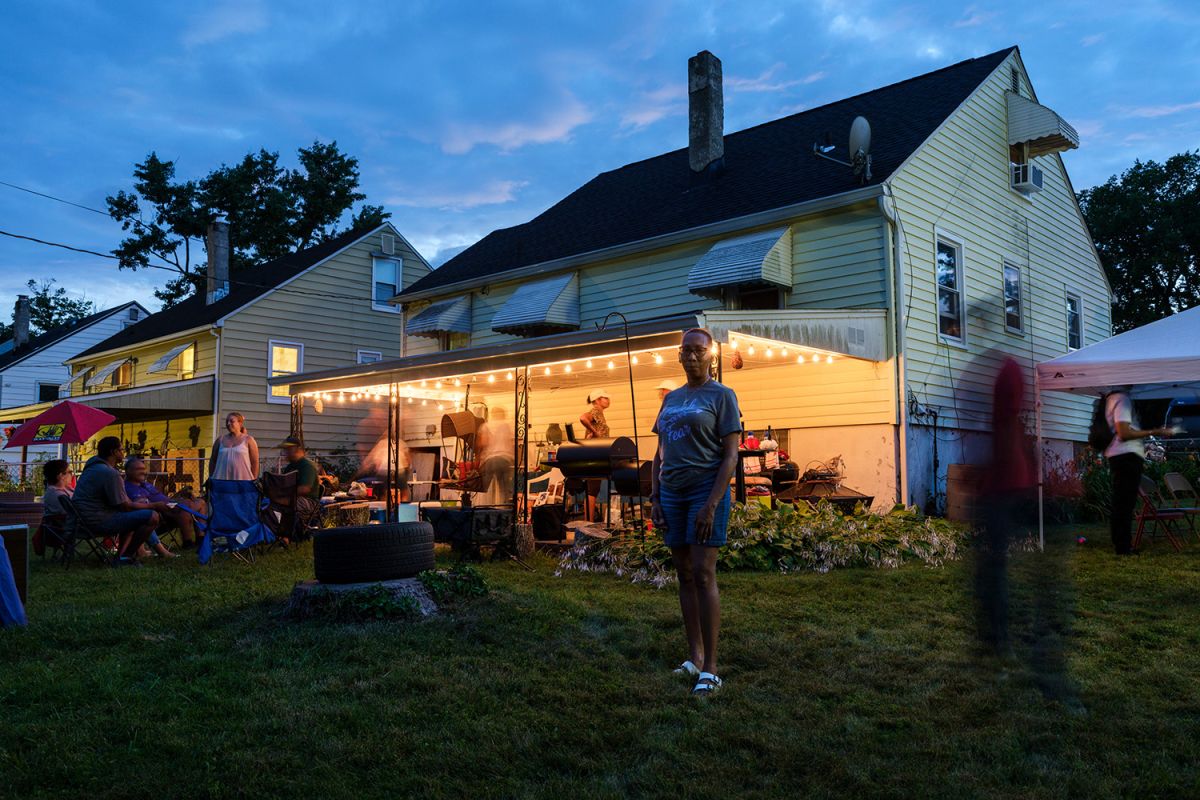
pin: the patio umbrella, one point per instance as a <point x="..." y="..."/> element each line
<point x="65" y="423"/>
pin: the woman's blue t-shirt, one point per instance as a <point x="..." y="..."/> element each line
<point x="690" y="426"/>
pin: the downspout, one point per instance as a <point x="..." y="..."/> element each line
<point x="887" y="207"/>
<point x="215" y="330"/>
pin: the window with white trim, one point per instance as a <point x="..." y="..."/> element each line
<point x="1074" y="321"/>
<point x="385" y="283"/>
<point x="283" y="358"/>
<point x="1013" y="318"/>
<point x="951" y="314"/>
<point x="369" y="356"/>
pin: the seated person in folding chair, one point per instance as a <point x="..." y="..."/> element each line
<point x="144" y="493"/>
<point x="308" y="480"/>
<point x="60" y="482"/>
<point x="104" y="507"/>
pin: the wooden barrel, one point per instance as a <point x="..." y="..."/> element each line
<point x="962" y="491"/>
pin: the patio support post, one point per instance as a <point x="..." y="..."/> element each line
<point x="1037" y="405"/>
<point x="637" y="445"/>
<point x="296" y="423"/>
<point x="393" y="453"/>
<point x="520" y="444"/>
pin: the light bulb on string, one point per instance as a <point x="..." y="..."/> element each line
<point x="800" y="358"/>
<point x="567" y="368"/>
<point x="410" y="399"/>
<point x="589" y="363"/>
<point x="547" y="371"/>
<point x="657" y="358"/>
<point x="783" y="352"/>
<point x="733" y="343"/>
<point x="423" y="384"/>
<point x="770" y="353"/>
<point x="508" y="376"/>
<point x="634" y="361"/>
<point x="750" y="350"/>
<point x="491" y="378"/>
<point x="424" y="401"/>
<point x="611" y="365"/>
<point x="828" y="359"/>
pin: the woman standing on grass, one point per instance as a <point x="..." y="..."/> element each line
<point x="698" y="430"/>
<point x="235" y="453"/>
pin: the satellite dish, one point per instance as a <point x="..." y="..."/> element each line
<point x="860" y="148"/>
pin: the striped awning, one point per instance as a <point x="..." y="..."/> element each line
<point x="104" y="374"/>
<point x="444" y="316"/>
<point x="172" y="354"/>
<point x="64" y="388"/>
<point x="756" y="259"/>
<point x="536" y="309"/>
<point x="1039" y="127"/>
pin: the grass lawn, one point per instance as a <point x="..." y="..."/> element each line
<point x="176" y="681"/>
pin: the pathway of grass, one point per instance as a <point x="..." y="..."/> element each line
<point x="176" y="681"/>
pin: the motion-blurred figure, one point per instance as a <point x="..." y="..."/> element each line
<point x="1005" y="487"/>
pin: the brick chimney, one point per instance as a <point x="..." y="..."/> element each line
<point x="218" y="260"/>
<point x="706" y="113"/>
<point x="21" y="321"/>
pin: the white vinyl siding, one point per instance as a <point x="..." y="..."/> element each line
<point x="385" y="282"/>
<point x="283" y="358"/>
<point x="959" y="181"/>
<point x="1014" y="318"/>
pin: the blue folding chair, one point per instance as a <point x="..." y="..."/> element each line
<point x="232" y="525"/>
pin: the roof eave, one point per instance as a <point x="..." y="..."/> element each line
<point x="761" y="218"/>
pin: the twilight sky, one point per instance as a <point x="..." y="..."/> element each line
<point x="470" y="116"/>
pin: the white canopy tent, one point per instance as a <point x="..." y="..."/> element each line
<point x="1158" y="360"/>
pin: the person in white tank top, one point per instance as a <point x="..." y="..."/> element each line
<point x="235" y="454"/>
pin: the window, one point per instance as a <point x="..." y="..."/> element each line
<point x="133" y="314"/>
<point x="187" y="363"/>
<point x="47" y="392"/>
<point x="123" y="376"/>
<point x="283" y="358"/>
<point x="385" y="273"/>
<point x="756" y="299"/>
<point x="1013" y="319"/>
<point x="453" y="341"/>
<point x="1074" y="322"/>
<point x="951" y="320"/>
<point x="369" y="356"/>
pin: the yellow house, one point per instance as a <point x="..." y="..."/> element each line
<point x="171" y="379"/>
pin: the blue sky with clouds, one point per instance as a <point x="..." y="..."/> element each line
<point x="468" y="116"/>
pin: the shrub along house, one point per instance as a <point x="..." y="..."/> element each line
<point x="33" y="375"/>
<point x="171" y="379"/>
<point x="859" y="312"/>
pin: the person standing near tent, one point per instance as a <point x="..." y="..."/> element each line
<point x="235" y="453"/>
<point x="698" y="429"/>
<point x="1126" y="454"/>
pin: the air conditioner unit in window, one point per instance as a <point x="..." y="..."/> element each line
<point x="1026" y="178"/>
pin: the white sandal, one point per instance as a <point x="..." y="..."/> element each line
<point x="687" y="668"/>
<point x="706" y="684"/>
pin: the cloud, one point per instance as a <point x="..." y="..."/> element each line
<point x="555" y="126"/>
<point x="1152" y="112"/>
<point x="492" y="193"/>
<point x="224" y="20"/>
<point x="972" y="17"/>
<point x="651" y="106"/>
<point x="1095" y="38"/>
<point x="765" y="82"/>
<point x="1088" y="128"/>
<point x="445" y="254"/>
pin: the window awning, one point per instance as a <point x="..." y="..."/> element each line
<point x="755" y="259"/>
<point x="536" y="309"/>
<point x="444" y="316"/>
<point x="172" y="354"/>
<point x="1033" y="124"/>
<point x="163" y="401"/>
<point x="104" y="374"/>
<point x="76" y="378"/>
<point x="859" y="333"/>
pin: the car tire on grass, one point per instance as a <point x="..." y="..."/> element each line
<point x="373" y="552"/>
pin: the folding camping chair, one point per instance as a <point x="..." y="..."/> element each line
<point x="281" y="513"/>
<point x="232" y="526"/>
<point x="77" y="532"/>
<point x="1183" y="496"/>
<point x="53" y="531"/>
<point x="1155" y="512"/>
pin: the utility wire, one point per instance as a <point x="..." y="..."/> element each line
<point x="170" y="268"/>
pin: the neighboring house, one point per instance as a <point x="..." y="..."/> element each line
<point x="32" y="370"/>
<point x="171" y="379"/>
<point x="900" y="290"/>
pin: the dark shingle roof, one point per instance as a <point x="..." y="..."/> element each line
<point x="768" y="166"/>
<point x="245" y="286"/>
<point x="54" y="335"/>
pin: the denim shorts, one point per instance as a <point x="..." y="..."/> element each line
<point x="679" y="509"/>
<point x="123" y="522"/>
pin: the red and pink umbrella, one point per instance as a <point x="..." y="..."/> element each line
<point x="65" y="423"/>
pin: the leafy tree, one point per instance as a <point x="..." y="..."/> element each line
<point x="271" y="210"/>
<point x="50" y="307"/>
<point x="1146" y="225"/>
